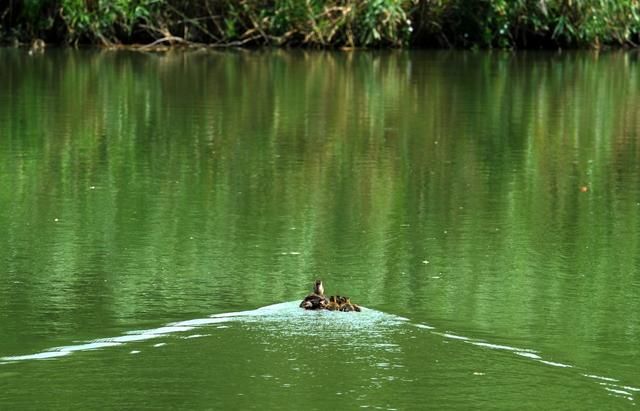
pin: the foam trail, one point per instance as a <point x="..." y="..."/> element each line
<point x="88" y="346"/>
<point x="619" y="390"/>
<point x="598" y="377"/>
<point x="198" y="322"/>
<point x="501" y="347"/>
<point x="286" y="314"/>
<point x="453" y="336"/>
<point x="424" y="326"/>
<point x="289" y="319"/>
<point x="556" y="364"/>
<point x="39" y="356"/>
<point x="529" y="355"/>
<point x="130" y="337"/>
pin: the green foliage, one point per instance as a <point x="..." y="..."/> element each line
<point x="105" y="20"/>
<point x="596" y="21"/>
<point x="384" y="20"/>
<point x="332" y="23"/>
<point x="28" y="17"/>
<point x="512" y="23"/>
<point x="318" y="23"/>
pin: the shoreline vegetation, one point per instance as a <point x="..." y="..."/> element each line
<point x="157" y="24"/>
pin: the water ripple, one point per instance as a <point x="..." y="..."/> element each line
<point x="288" y="319"/>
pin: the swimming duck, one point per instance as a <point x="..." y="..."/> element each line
<point x="37" y="46"/>
<point x="333" y="304"/>
<point x="316" y="300"/>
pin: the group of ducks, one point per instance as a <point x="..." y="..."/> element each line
<point x="317" y="301"/>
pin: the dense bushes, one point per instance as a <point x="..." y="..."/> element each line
<point x="328" y="23"/>
<point x="529" y="23"/>
<point x="251" y="22"/>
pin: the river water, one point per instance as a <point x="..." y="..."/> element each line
<point x="162" y="214"/>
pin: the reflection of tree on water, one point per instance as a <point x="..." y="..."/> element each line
<point x="206" y="168"/>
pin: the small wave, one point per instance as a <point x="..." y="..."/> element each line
<point x="528" y="355"/>
<point x="556" y="364"/>
<point x="619" y="392"/>
<point x="453" y="336"/>
<point x="39" y="356"/>
<point x="288" y="319"/>
<point x="598" y="377"/>
<point x="291" y="318"/>
<point x="501" y="347"/>
<point x="88" y="346"/>
<point x="424" y="326"/>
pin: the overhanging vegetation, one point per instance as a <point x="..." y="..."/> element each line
<point x="326" y="23"/>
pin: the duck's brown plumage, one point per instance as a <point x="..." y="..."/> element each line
<point x="333" y="304"/>
<point x="316" y="300"/>
<point x="347" y="305"/>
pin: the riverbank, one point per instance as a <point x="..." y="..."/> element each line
<point x="333" y="23"/>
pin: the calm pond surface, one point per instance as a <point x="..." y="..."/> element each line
<point x="163" y="214"/>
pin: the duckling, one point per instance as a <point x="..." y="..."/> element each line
<point x="316" y="300"/>
<point x="37" y="46"/>
<point x="347" y="305"/>
<point x="333" y="304"/>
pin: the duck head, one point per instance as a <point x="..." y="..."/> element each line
<point x="318" y="288"/>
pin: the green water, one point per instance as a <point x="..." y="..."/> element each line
<point x="142" y="194"/>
